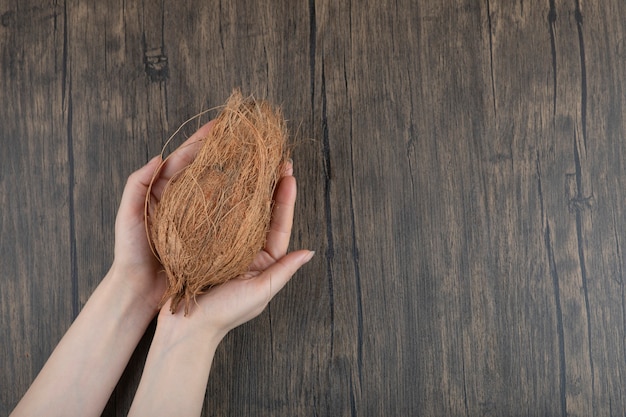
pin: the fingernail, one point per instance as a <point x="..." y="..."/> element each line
<point x="288" y="167"/>
<point x="309" y="256"/>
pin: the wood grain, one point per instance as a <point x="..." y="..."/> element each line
<point x="461" y="168"/>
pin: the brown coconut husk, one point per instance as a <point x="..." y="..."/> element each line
<point x="213" y="216"/>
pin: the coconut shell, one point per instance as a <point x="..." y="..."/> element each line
<point x="213" y="216"/>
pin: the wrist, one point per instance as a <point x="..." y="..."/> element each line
<point x="177" y="328"/>
<point x="128" y="295"/>
<point x="177" y="367"/>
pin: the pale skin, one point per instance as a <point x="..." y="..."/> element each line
<point x="81" y="373"/>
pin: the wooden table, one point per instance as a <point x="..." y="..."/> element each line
<point x="462" y="177"/>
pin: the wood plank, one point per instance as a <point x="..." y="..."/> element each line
<point x="36" y="216"/>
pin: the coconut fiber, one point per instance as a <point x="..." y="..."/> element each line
<point x="213" y="216"/>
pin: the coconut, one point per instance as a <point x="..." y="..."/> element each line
<point x="213" y="216"/>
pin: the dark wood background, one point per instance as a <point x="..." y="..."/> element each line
<point x="462" y="173"/>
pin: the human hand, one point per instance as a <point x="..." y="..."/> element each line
<point x="183" y="347"/>
<point x="134" y="263"/>
<point x="81" y="373"/>
<point x="239" y="300"/>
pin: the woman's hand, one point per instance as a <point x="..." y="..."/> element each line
<point x="239" y="300"/>
<point x="134" y="263"/>
<point x="178" y="364"/>
<point x="81" y="373"/>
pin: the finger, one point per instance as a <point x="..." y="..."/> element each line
<point x="185" y="153"/>
<point x="134" y="194"/>
<point x="179" y="159"/>
<point x="282" y="218"/>
<point x="288" y="170"/>
<point x="278" y="275"/>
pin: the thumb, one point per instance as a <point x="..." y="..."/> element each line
<point x="279" y="273"/>
<point x="134" y="194"/>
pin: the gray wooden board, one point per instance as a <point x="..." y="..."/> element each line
<point x="461" y="167"/>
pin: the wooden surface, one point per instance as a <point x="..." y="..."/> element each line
<point x="462" y="173"/>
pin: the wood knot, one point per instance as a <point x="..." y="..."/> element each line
<point x="156" y="65"/>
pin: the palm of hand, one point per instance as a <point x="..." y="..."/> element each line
<point x="226" y="306"/>
<point x="133" y="257"/>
